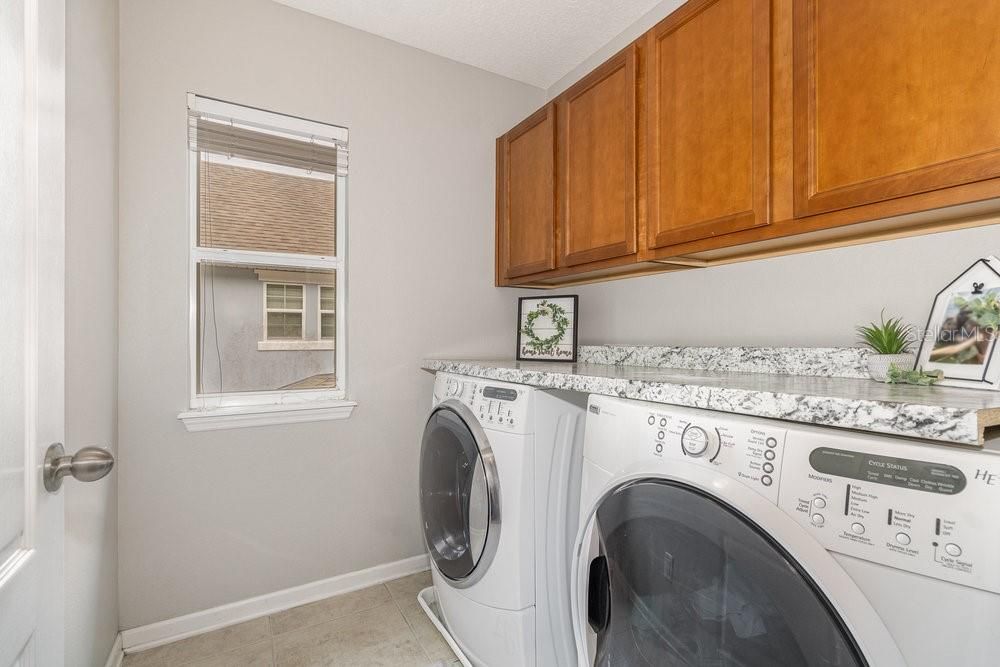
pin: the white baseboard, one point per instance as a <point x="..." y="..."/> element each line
<point x="116" y="655"/>
<point x="170" y="630"/>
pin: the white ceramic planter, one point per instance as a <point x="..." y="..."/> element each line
<point x="878" y="364"/>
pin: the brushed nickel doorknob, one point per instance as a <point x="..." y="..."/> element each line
<point x="87" y="465"/>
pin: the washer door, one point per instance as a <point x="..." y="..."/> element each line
<point x="677" y="577"/>
<point x="459" y="494"/>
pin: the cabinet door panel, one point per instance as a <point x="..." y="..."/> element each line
<point x="527" y="196"/>
<point x="708" y="100"/>
<point x="893" y="98"/>
<point x="597" y="133"/>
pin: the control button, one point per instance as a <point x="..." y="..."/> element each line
<point x="953" y="549"/>
<point x="903" y="538"/>
<point x="663" y="422"/>
<point x="768" y="467"/>
<point x="651" y="420"/>
<point x="771" y="442"/>
<point x="817" y="519"/>
<point x="769" y="454"/>
<point x="659" y="435"/>
<point x="454" y="387"/>
<point x="659" y="448"/>
<point x="766" y="480"/>
<point x="858" y="528"/>
<point x="697" y="441"/>
<point x="819" y="503"/>
<point x="694" y="440"/>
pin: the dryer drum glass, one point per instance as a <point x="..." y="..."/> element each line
<point x="454" y="495"/>
<point x="694" y="582"/>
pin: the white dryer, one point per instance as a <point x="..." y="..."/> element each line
<point x="499" y="493"/>
<point x="714" y="539"/>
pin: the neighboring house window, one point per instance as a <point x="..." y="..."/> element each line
<point x="327" y="313"/>
<point x="283" y="307"/>
<point x="267" y="202"/>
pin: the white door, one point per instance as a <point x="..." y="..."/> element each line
<point x="31" y="328"/>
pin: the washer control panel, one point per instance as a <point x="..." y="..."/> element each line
<point x="498" y="405"/>
<point x="922" y="508"/>
<point x="929" y="509"/>
<point x="750" y="453"/>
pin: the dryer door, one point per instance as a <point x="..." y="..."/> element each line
<point x="678" y="577"/>
<point x="459" y="494"/>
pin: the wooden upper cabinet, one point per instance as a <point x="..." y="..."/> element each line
<point x="597" y="163"/>
<point x="893" y="98"/>
<point x="526" y="196"/>
<point x="708" y="127"/>
<point x="743" y="128"/>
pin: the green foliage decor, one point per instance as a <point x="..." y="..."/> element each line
<point x="985" y="310"/>
<point x="899" y="375"/>
<point x="887" y="337"/>
<point x="557" y="314"/>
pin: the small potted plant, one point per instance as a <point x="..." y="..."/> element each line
<point x="890" y="341"/>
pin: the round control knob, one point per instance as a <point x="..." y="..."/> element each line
<point x="858" y="528"/>
<point x="817" y="519"/>
<point x="953" y="550"/>
<point x="454" y="388"/>
<point x="819" y="503"/>
<point x="903" y="538"/>
<point x="697" y="441"/>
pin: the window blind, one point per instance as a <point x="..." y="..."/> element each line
<point x="232" y="137"/>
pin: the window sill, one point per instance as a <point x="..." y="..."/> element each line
<point x="272" y="345"/>
<point x="246" y="416"/>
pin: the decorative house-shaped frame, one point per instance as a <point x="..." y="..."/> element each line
<point x="962" y="328"/>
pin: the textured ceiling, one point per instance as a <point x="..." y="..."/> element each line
<point x="534" y="41"/>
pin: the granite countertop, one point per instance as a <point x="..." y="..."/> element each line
<point x="944" y="414"/>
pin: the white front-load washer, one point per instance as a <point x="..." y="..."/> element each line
<point x="499" y="492"/>
<point x="715" y="539"/>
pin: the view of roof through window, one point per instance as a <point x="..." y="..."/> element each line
<point x="267" y="305"/>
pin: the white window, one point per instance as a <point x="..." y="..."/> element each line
<point x="283" y="308"/>
<point x="327" y="313"/>
<point x="267" y="202"/>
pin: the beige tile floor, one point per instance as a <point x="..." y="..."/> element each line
<point x="381" y="625"/>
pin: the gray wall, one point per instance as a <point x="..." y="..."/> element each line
<point x="211" y="518"/>
<point x="91" y="323"/>
<point x="237" y="320"/>
<point x="811" y="299"/>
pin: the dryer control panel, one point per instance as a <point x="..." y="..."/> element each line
<point x="928" y="509"/>
<point x="750" y="453"/>
<point x="497" y="405"/>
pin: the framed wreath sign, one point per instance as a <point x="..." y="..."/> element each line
<point x="961" y="333"/>
<point x="546" y="329"/>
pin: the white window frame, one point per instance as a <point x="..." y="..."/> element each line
<point x="301" y="311"/>
<point x="320" y="312"/>
<point x="214" y="411"/>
